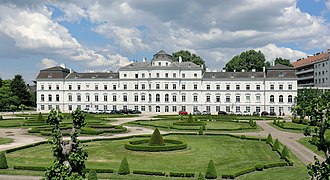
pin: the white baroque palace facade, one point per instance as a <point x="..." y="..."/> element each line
<point x="165" y="86"/>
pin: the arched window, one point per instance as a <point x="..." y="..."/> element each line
<point x="166" y="97"/>
<point x="70" y="97"/>
<point x="150" y="97"/>
<point x="49" y="97"/>
<point x="166" y="108"/>
<point x="280" y="98"/>
<point x="271" y="98"/>
<point x="57" y="97"/>
<point x="157" y="97"/>
<point x="290" y="98"/>
<point x="42" y="97"/>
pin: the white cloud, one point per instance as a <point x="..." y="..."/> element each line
<point x="327" y="4"/>
<point x="271" y="51"/>
<point x="46" y="63"/>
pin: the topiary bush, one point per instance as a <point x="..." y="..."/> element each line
<point x="211" y="172"/>
<point x="1" y="118"/>
<point x="156" y="139"/>
<point x="204" y="127"/>
<point x="259" y="167"/>
<point x="200" y="131"/>
<point x="39" y="117"/>
<point x="124" y="168"/>
<point x="285" y="153"/>
<point x="190" y="119"/>
<point x="3" y="161"/>
<point x="270" y="139"/>
<point x="276" y="146"/>
<point x="92" y="175"/>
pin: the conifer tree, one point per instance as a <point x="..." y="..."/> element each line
<point x="156" y="139"/>
<point x="124" y="168"/>
<point x="211" y="172"/>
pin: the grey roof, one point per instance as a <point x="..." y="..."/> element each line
<point x="173" y="65"/>
<point x="162" y="56"/>
<point x="281" y="74"/>
<point x="97" y="75"/>
<point x="162" y="52"/>
<point x="229" y="75"/>
<point x="280" y="67"/>
<point x="56" y="72"/>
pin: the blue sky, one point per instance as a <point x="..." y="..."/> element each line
<point x="105" y="35"/>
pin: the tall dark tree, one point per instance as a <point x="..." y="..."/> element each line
<point x="187" y="56"/>
<point x="6" y="96"/>
<point x="247" y="60"/>
<point x="280" y="60"/>
<point x="0" y="82"/>
<point x="19" y="89"/>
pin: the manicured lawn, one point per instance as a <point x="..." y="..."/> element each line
<point x="305" y="141"/>
<point x="229" y="154"/>
<point x="6" y="140"/>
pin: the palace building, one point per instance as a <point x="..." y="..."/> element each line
<point x="165" y="86"/>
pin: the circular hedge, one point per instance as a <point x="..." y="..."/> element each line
<point x="143" y="145"/>
<point x="183" y="123"/>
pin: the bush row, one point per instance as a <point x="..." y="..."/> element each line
<point x="189" y="124"/>
<point x="26" y="146"/>
<point x="139" y="146"/>
<point x="151" y="173"/>
<point x="182" y="174"/>
<point x="31" y="168"/>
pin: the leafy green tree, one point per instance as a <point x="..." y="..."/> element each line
<point x="211" y="172"/>
<point x="69" y="156"/>
<point x="124" y="168"/>
<point x="19" y="89"/>
<point x="247" y="60"/>
<point x="22" y="107"/>
<point x="187" y="56"/>
<point x="3" y="161"/>
<point x="0" y="82"/>
<point x="13" y="108"/>
<point x="156" y="139"/>
<point x="285" y="62"/>
<point x="7" y="98"/>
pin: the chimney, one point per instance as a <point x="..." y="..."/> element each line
<point x="180" y="59"/>
<point x="263" y="69"/>
<point x="234" y="70"/>
<point x="62" y="65"/>
<point x="144" y="59"/>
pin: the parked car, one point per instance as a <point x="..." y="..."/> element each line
<point x="272" y="114"/>
<point x="264" y="113"/>
<point x="197" y="112"/>
<point x="255" y="113"/>
<point x="136" y="112"/>
<point x="97" y="111"/>
<point x="238" y="113"/>
<point x="183" y="113"/>
<point x="114" y="112"/>
<point x="206" y="113"/>
<point x="222" y="113"/>
<point x="231" y="113"/>
<point x="246" y="113"/>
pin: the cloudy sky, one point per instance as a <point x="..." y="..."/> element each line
<point x="105" y="35"/>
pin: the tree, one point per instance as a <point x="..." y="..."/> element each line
<point x="124" y="168"/>
<point x="187" y="56"/>
<point x="211" y="172"/>
<point x="276" y="145"/>
<point x="19" y="89"/>
<point x="269" y="139"/>
<point x="6" y="96"/>
<point x="0" y="82"/>
<point x="247" y="60"/>
<point x="69" y="156"/>
<point x="285" y="62"/>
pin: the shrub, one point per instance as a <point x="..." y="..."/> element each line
<point x="1" y="118"/>
<point x="296" y="120"/>
<point x="305" y="121"/>
<point x="200" y="177"/>
<point x="3" y="161"/>
<point x="259" y="167"/>
<point x="211" y="173"/>
<point x="124" y="168"/>
<point x="190" y="119"/>
<point x="201" y="132"/>
<point x="92" y="175"/>
<point x="204" y="127"/>
<point x="270" y="139"/>
<point x="153" y="173"/>
<point x="274" y="121"/>
<point x="176" y="174"/>
<point x="276" y="146"/>
<point x="285" y="153"/>
<point x="40" y="118"/>
<point x="156" y="139"/>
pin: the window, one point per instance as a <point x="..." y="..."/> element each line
<point x="166" y="109"/>
<point x="49" y="87"/>
<point x="258" y="87"/>
<point x="217" y="98"/>
<point x="125" y="98"/>
<point x="290" y="98"/>
<point x="157" y="86"/>
<point x="70" y="97"/>
<point x="143" y="108"/>
<point x="227" y="99"/>
<point x="166" y="75"/>
<point x="208" y="108"/>
<point x="159" y="63"/>
<point x="136" y="86"/>
<point x="174" y="108"/>
<point x="272" y="109"/>
<point x="247" y="87"/>
<point x="136" y="75"/>
<point x="248" y="99"/>
<point x="183" y="86"/>
<point x="42" y="87"/>
<point x="227" y="108"/>
<point x="237" y="87"/>
<point x="272" y="87"/>
<point x="78" y="97"/>
<point x="157" y="97"/>
<point x="166" y="86"/>
<point x="290" y="86"/>
<point x="166" y="97"/>
<point x="143" y="97"/>
<point x="50" y="107"/>
<point x="183" y="98"/>
<point x="238" y="109"/>
<point x="258" y="109"/>
<point x="183" y="108"/>
<point x="143" y="86"/>
<point x="42" y="107"/>
<point x="114" y="87"/>
<point x="174" y="98"/>
<point x="143" y="75"/>
<point x="238" y="99"/>
<point x="96" y="97"/>
<point x="280" y="98"/>
<point x="217" y="108"/>
<point x="247" y="109"/>
<point x="195" y="75"/>
<point x="208" y="98"/>
<point x="174" y="86"/>
<point x="114" y="98"/>
<point x="105" y="97"/>
<point x="150" y="97"/>
<point x="272" y="98"/>
<point x="87" y="86"/>
<point x="125" y="86"/>
<point x="228" y="87"/>
<point x="70" y="107"/>
<point x="87" y="97"/>
<point x="208" y="87"/>
<point x="157" y="75"/>
<point x="70" y="87"/>
<point x="183" y="75"/>
<point x="195" y="98"/>
<point x="136" y="98"/>
<point x="281" y="87"/>
<point x="195" y="86"/>
<point x="218" y="86"/>
<point x="42" y="97"/>
<point x="258" y="99"/>
<point x="174" y="75"/>
<point x="96" y="87"/>
<point x="58" y="87"/>
<point x="125" y="75"/>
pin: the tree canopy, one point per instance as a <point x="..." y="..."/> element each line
<point x="247" y="60"/>
<point x="19" y="89"/>
<point x="187" y="56"/>
<point x="280" y="60"/>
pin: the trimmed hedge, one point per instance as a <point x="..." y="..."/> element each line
<point x="92" y="175"/>
<point x="26" y="146"/>
<point x="31" y="168"/>
<point x="278" y="164"/>
<point x="182" y="174"/>
<point x="194" y="123"/>
<point x="150" y="173"/>
<point x="101" y="170"/>
<point x="174" y="145"/>
<point x="259" y="167"/>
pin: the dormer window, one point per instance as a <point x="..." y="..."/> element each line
<point x="166" y="63"/>
<point x="50" y="75"/>
<point x="159" y="64"/>
<point x="213" y="75"/>
<point x="232" y="76"/>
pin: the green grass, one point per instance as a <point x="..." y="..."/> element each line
<point x="305" y="141"/>
<point x="6" y="140"/>
<point x="229" y="154"/>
